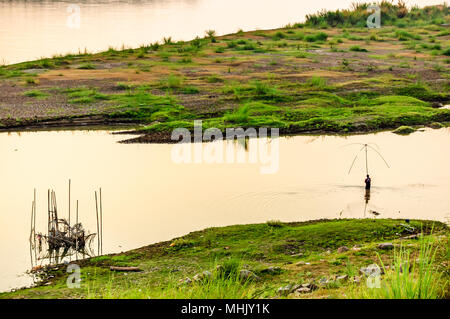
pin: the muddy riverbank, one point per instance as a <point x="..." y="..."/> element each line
<point x="326" y="258"/>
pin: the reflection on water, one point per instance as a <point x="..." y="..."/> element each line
<point x="149" y="198"/>
<point x="367" y="196"/>
<point x="367" y="199"/>
<point x="34" y="29"/>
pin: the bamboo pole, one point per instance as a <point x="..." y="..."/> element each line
<point x="69" y="207"/>
<point x="367" y="163"/>
<point x="52" y="216"/>
<point x="101" y="222"/>
<point x="32" y="227"/>
<point x="48" y="213"/>
<point x="98" y="230"/>
<point x="56" y="211"/>
<point x="31" y="223"/>
<point x="76" y="238"/>
<point x="70" y="256"/>
<point x="34" y="206"/>
<point x="34" y="223"/>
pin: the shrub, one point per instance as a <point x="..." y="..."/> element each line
<point x="274" y="223"/>
<point x="186" y="59"/>
<point x="317" y="81"/>
<point x="279" y="35"/>
<point x="357" y="48"/>
<point x="167" y="40"/>
<point x="403" y="35"/>
<point x="86" y="66"/>
<point x="249" y="47"/>
<point x="321" y="36"/>
<point x="231" y="44"/>
<point x="35" y="93"/>
<point x="154" y="46"/>
<point x="172" y="82"/>
<point x="404" y="130"/>
<point x="241" y="115"/>
<point x="181" y="243"/>
<point x="190" y="90"/>
<point x="211" y="34"/>
<point x="31" y="81"/>
<point x="123" y="86"/>
<point x="214" y="79"/>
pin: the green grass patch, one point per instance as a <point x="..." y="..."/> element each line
<point x="36" y="93"/>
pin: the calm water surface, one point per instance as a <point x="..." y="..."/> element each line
<point x="149" y="198"/>
<point x="34" y="29"/>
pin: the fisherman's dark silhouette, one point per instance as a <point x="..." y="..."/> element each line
<point x="368" y="181"/>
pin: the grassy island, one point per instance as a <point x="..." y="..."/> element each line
<point x="329" y="74"/>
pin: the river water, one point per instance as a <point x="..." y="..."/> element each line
<point x="33" y="29"/>
<point x="149" y="197"/>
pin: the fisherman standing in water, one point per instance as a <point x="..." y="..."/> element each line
<point x="368" y="182"/>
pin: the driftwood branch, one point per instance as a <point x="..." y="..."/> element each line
<point x="117" y="268"/>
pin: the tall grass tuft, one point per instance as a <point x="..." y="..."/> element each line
<point x="241" y="115"/>
<point x="167" y="40"/>
<point x="410" y="277"/>
<point x="317" y="82"/>
<point x="172" y="82"/>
